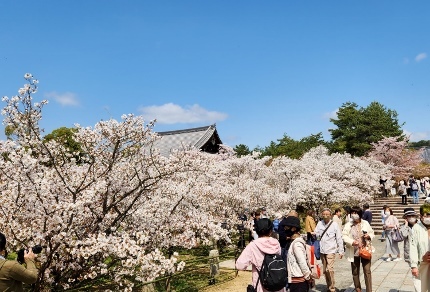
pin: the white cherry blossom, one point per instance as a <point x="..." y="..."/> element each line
<point x="117" y="208"/>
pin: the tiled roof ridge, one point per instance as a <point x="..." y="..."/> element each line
<point x="190" y="130"/>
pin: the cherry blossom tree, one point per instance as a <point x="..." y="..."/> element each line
<point x="107" y="216"/>
<point x="393" y="151"/>
<point x="320" y="180"/>
<point x="113" y="210"/>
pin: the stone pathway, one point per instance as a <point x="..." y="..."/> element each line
<point x="389" y="277"/>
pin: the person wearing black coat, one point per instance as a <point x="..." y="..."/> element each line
<point x="283" y="241"/>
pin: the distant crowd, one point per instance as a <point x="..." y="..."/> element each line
<point x="343" y="232"/>
<point x="412" y="187"/>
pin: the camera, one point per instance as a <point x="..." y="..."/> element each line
<point x="36" y="249"/>
<point x="240" y="227"/>
<point x="243" y="217"/>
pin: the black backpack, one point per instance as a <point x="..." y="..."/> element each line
<point x="273" y="272"/>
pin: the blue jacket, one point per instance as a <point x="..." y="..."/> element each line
<point x="275" y="225"/>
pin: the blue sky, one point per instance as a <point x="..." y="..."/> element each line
<point x="257" y="69"/>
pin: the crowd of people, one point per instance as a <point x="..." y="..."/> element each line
<point x="413" y="187"/>
<point x="346" y="232"/>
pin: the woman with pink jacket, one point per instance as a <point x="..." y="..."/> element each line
<point x="255" y="251"/>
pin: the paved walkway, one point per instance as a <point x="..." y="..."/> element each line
<point x="389" y="277"/>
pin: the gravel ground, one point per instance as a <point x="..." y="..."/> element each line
<point x="342" y="274"/>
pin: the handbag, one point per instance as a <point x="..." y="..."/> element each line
<point x="396" y="235"/>
<point x="366" y="250"/>
<point x="365" y="253"/>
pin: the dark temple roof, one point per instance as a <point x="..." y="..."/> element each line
<point x="203" y="138"/>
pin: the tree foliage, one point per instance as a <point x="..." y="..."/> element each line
<point x="291" y="148"/>
<point x="242" y="150"/>
<point x="358" y="127"/>
<point x="421" y="143"/>
<point x="66" y="137"/>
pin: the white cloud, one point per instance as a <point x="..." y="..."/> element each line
<point x="171" y="113"/>
<point x="331" y="115"/>
<point x="417" y="136"/>
<point x="65" y="99"/>
<point x="420" y="57"/>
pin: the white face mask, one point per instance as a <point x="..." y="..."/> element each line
<point x="355" y="217"/>
<point x="426" y="221"/>
<point x="412" y="220"/>
<point x="387" y="213"/>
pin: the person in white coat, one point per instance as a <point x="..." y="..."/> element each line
<point x="419" y="243"/>
<point x="355" y="235"/>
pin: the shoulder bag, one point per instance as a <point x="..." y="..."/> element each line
<point x="396" y="235"/>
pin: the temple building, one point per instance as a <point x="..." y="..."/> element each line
<point x="203" y="138"/>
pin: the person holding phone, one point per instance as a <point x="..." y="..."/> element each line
<point x="354" y="235"/>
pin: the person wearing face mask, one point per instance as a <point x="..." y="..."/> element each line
<point x="299" y="273"/>
<point x="285" y="235"/>
<point x="330" y="236"/>
<point x="420" y="251"/>
<point x="391" y="246"/>
<point x="355" y="234"/>
<point x="410" y="217"/>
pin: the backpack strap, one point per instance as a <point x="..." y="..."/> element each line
<point x="264" y="256"/>
<point x="258" y="280"/>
